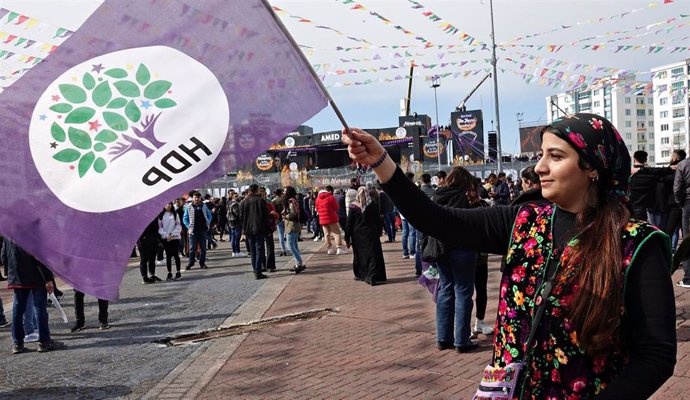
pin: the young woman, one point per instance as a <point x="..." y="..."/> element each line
<point x="169" y="227"/>
<point x="456" y="271"/>
<point x="291" y="214"/>
<point x="607" y="325"/>
<point x="363" y="233"/>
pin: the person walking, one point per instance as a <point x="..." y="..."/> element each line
<point x="388" y="211"/>
<point x="280" y="225"/>
<point x="169" y="228"/>
<point x="291" y="216"/>
<point x="197" y="219"/>
<point x="254" y="218"/>
<point x="362" y="233"/>
<point x="28" y="277"/>
<point x="578" y="315"/>
<point x="327" y="209"/>
<point x="270" y="258"/>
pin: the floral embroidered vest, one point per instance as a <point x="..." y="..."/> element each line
<point x="556" y="366"/>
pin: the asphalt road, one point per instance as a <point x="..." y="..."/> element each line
<point x="125" y="361"/>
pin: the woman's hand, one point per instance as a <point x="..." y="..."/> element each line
<point x="361" y="146"/>
<point x="365" y="149"/>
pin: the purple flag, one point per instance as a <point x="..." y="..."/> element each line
<point x="147" y="100"/>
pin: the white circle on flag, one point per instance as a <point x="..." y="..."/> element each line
<point x="400" y="132"/>
<point x="289" y="142"/>
<point x="124" y="127"/>
<point x="293" y="166"/>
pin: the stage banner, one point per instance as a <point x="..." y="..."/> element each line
<point x="530" y="138"/>
<point x="468" y="135"/>
<point x="143" y="102"/>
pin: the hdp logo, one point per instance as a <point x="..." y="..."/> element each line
<point x="123" y="127"/>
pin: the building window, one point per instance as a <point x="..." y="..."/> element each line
<point x="639" y="101"/>
<point x="665" y="140"/>
<point x="650" y="113"/>
<point x="629" y="147"/>
<point x="651" y="148"/>
<point x="640" y="124"/>
<point x="665" y="153"/>
<point x="628" y="124"/>
<point x="628" y="112"/>
<point x="627" y="100"/>
<point x="664" y="127"/>
<point x="640" y="113"/>
<point x="662" y="74"/>
<point x="677" y="99"/>
<point x="607" y="114"/>
<point x="597" y="104"/>
<point x="651" y="134"/>
<point x="628" y="135"/>
<point x="677" y="71"/>
<point x="663" y="101"/>
<point x="650" y="100"/>
<point x="679" y="113"/>
<point x="663" y="114"/>
<point x="677" y="85"/>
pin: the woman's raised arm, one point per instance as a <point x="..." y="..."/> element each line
<point x="481" y="229"/>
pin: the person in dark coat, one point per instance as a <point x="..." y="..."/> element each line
<point x="28" y="277"/>
<point x="362" y="232"/>
<point x="148" y="247"/>
<point x="254" y="217"/>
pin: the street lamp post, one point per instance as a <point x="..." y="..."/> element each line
<point x="435" y="83"/>
<point x="493" y="64"/>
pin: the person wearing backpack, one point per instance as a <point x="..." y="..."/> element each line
<point x="233" y="216"/>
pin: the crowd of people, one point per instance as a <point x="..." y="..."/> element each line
<point x="585" y="305"/>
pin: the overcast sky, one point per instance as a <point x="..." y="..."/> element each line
<point x="377" y="105"/>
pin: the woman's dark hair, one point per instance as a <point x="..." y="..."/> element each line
<point x="460" y="177"/>
<point x="172" y="210"/>
<point x="529" y="174"/>
<point x="290" y="193"/>
<point x="596" y="308"/>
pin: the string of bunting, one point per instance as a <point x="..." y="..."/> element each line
<point x="448" y="75"/>
<point x="556" y="47"/>
<point x="405" y="54"/>
<point x="590" y="21"/>
<point x="308" y="49"/>
<point x="583" y="82"/>
<point x="8" y="17"/>
<point x="283" y="12"/>
<point x="538" y="61"/>
<point x="324" y="68"/>
<point x="447" y="27"/>
<point x="386" y="21"/>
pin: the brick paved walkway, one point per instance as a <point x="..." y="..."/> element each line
<point x="380" y="345"/>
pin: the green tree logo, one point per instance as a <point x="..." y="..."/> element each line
<point x="103" y="118"/>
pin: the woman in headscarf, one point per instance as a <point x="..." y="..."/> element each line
<point x="363" y="233"/>
<point x="595" y="280"/>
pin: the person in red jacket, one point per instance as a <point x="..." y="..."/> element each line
<point x="327" y="208"/>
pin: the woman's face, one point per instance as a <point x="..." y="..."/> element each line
<point x="168" y="207"/>
<point x="562" y="180"/>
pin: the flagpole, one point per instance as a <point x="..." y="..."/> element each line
<point x="306" y="62"/>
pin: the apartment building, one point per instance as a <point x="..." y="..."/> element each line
<point x="620" y="99"/>
<point x="671" y="114"/>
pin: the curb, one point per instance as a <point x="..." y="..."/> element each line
<point x="190" y="377"/>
